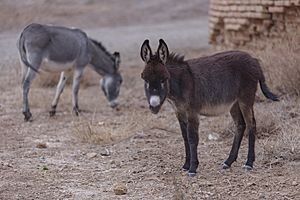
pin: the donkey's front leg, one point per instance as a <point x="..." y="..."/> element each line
<point x="193" y="140"/>
<point x="26" y="86"/>
<point x="182" y="119"/>
<point x="76" y="81"/>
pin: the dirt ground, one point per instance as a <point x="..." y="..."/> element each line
<point x="86" y="157"/>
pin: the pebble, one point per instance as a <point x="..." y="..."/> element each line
<point x="105" y="152"/>
<point x="294" y="183"/>
<point x="120" y="189"/>
<point x="213" y="136"/>
<point x="91" y="155"/>
<point x="41" y="145"/>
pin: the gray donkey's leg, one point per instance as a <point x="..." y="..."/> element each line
<point x="26" y="86"/>
<point x="75" y="88"/>
<point x="24" y="70"/>
<point x="59" y="90"/>
<point x="35" y="60"/>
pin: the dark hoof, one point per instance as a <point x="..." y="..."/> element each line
<point x="186" y="166"/>
<point x="184" y="169"/>
<point x="76" y="111"/>
<point x="27" y="116"/>
<point x="225" y="166"/>
<point x="52" y="113"/>
<point x="247" y="167"/>
<point x="192" y="174"/>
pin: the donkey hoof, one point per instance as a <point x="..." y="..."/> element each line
<point x="225" y="166"/>
<point x="247" y="167"/>
<point x="52" y="113"/>
<point x="27" y="116"/>
<point x="192" y="174"/>
<point x="184" y="169"/>
<point x="76" y="111"/>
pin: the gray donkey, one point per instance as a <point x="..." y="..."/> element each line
<point x="208" y="86"/>
<point x="56" y="49"/>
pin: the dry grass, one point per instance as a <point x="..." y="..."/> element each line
<point x="45" y="79"/>
<point x="111" y="130"/>
<point x="278" y="123"/>
<point x="278" y="129"/>
<point x="281" y="62"/>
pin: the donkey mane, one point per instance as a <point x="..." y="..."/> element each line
<point x="100" y="46"/>
<point x="176" y="59"/>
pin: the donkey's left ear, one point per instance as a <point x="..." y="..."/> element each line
<point x="117" y="60"/>
<point x="146" y="52"/>
<point x="163" y="51"/>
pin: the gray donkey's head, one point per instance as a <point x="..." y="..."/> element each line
<point x="111" y="83"/>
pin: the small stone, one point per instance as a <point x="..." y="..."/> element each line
<point x="120" y="189"/>
<point x="101" y="123"/>
<point x="294" y="183"/>
<point x="213" y="136"/>
<point x="91" y="155"/>
<point x="41" y="145"/>
<point x="262" y="196"/>
<point x="42" y="159"/>
<point x="7" y="165"/>
<point x="105" y="152"/>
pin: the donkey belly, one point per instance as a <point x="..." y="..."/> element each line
<point x="52" y="66"/>
<point x="215" y="110"/>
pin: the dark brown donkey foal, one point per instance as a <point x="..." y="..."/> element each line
<point x="207" y="86"/>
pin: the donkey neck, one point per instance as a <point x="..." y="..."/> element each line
<point x="180" y="81"/>
<point x="101" y="60"/>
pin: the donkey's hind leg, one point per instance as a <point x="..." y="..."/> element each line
<point x="26" y="86"/>
<point x="24" y="70"/>
<point x="238" y="119"/>
<point x="59" y="90"/>
<point x="248" y="115"/>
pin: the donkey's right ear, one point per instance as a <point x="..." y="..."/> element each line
<point x="146" y="52"/>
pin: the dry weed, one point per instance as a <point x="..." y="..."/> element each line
<point x="279" y="125"/>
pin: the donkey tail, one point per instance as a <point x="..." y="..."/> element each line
<point x="266" y="91"/>
<point x="22" y="52"/>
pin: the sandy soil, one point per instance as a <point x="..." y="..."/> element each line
<point x="68" y="157"/>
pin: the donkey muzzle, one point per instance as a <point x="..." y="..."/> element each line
<point x="114" y="103"/>
<point x="155" y="109"/>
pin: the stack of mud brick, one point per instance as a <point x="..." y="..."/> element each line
<point x="235" y="23"/>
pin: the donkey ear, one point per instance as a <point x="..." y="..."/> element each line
<point x="146" y="52"/>
<point x="117" y="60"/>
<point x="163" y="52"/>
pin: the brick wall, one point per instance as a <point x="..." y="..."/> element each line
<point x="235" y="23"/>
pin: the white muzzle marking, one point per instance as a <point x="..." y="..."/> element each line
<point x="154" y="101"/>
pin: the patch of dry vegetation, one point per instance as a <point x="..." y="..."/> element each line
<point x="278" y="123"/>
<point x="278" y="128"/>
<point x="281" y="63"/>
<point x="46" y="79"/>
<point x="112" y="129"/>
